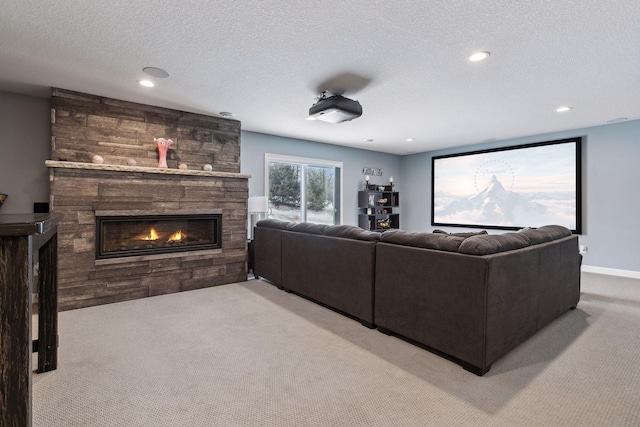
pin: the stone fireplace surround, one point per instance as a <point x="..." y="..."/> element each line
<point x="84" y="125"/>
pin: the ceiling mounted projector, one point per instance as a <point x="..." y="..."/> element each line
<point x="335" y="108"/>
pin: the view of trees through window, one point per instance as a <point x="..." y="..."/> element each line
<point x="302" y="192"/>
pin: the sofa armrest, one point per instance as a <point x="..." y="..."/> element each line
<point x="267" y="253"/>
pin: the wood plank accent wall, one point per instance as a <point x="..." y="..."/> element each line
<point x="84" y="125"/>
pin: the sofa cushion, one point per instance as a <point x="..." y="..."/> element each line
<point x="443" y="242"/>
<point x="274" y="223"/>
<point x="493" y="243"/>
<point x="557" y="231"/>
<point x="461" y="234"/>
<point x="308" y="227"/>
<point x="546" y="233"/>
<point x="535" y="237"/>
<point x="351" y="232"/>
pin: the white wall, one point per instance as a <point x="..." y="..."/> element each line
<point x="25" y="143"/>
<point x="610" y="201"/>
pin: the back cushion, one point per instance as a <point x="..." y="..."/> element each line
<point x="493" y="243"/>
<point x="308" y="227"/>
<point x="274" y="223"/>
<point x="545" y="233"/>
<point x="464" y="234"/>
<point x="351" y="232"/>
<point x="443" y="242"/>
<point x="557" y="231"/>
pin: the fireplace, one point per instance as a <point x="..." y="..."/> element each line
<point x="122" y="236"/>
<point x="84" y="125"/>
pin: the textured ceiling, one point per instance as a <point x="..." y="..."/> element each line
<point x="404" y="61"/>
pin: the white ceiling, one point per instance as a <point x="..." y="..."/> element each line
<point x="404" y="61"/>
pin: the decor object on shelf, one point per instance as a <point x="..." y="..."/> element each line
<point x="382" y="201"/>
<point x="372" y="171"/>
<point x="182" y="166"/>
<point x="384" y="223"/>
<point x="163" y="147"/>
<point x="3" y="197"/>
<point x="207" y="167"/>
<point x="132" y="162"/>
<point x="257" y="208"/>
<point x="97" y="159"/>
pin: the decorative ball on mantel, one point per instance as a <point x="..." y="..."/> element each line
<point x="132" y="162"/>
<point x="97" y="159"/>
<point x="207" y="167"/>
<point x="182" y="165"/>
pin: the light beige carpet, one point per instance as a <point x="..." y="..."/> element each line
<point x="249" y="354"/>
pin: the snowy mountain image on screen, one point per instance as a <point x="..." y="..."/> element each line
<point x="493" y="205"/>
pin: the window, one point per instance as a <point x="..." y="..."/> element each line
<point x="303" y="190"/>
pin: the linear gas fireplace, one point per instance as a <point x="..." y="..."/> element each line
<point x="122" y="236"/>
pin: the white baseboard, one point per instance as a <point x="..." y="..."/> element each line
<point x="611" y="271"/>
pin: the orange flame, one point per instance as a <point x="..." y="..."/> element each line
<point x="152" y="235"/>
<point x="176" y="237"/>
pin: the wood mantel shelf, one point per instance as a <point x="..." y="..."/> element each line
<point x="138" y="169"/>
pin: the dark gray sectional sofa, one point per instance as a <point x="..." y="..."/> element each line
<point x="470" y="297"/>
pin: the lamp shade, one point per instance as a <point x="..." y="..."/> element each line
<point x="257" y="204"/>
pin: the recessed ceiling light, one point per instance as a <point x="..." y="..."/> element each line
<point x="368" y="141"/>
<point x="146" y="83"/>
<point x="156" y="72"/>
<point x="409" y="139"/>
<point x="479" y="56"/>
<point x="226" y="114"/>
<point x="563" y="109"/>
<point x="618" y="120"/>
<point x="490" y="140"/>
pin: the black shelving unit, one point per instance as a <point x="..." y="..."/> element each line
<point x="377" y="204"/>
